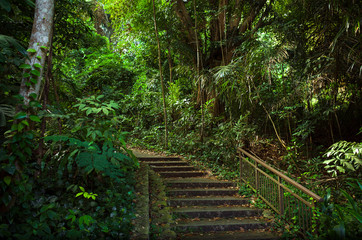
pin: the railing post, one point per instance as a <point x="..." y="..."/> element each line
<point x="240" y="166"/>
<point x="256" y="177"/>
<point x="280" y="196"/>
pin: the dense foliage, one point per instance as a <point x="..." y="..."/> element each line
<point x="280" y="77"/>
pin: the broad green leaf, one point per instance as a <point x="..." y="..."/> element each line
<point x="105" y="110"/>
<point x="26" y="75"/>
<point x="20" y="115"/>
<point x="81" y="106"/>
<point x="341" y="169"/>
<point x="7" y="180"/>
<point x="35" y="72"/>
<point x="37" y="65"/>
<point x="35" y="118"/>
<point x="82" y="188"/>
<point x="25" y="123"/>
<point x="79" y="194"/>
<point x="31" y="50"/>
<point x="349" y="166"/>
<point x="52" y="215"/>
<point x="25" y="66"/>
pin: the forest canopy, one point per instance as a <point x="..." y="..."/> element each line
<point x="84" y="81"/>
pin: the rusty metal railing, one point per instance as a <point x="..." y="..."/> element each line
<point x="287" y="197"/>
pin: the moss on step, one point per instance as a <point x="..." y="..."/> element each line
<point x="160" y="214"/>
<point x="141" y="222"/>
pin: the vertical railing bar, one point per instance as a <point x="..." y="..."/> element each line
<point x="240" y="165"/>
<point x="256" y="177"/>
<point x="280" y="195"/>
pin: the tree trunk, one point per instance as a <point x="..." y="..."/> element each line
<point x="161" y="76"/>
<point x="39" y="42"/>
<point x="169" y="61"/>
<point x="198" y="76"/>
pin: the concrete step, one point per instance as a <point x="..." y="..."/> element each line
<point x="158" y="159"/>
<point x="185" y="174"/>
<point x="203" y="192"/>
<point x="207" y="201"/>
<point x="246" y="235"/>
<point x="173" y="168"/>
<point x="198" y="183"/>
<point x="217" y="212"/>
<point x="209" y="225"/>
<point x="167" y="163"/>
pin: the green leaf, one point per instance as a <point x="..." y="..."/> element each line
<point x="20" y="115"/>
<point x="7" y="180"/>
<point x="43" y="47"/>
<point x="35" y="72"/>
<point x="31" y="50"/>
<point x="26" y="75"/>
<point x="89" y="111"/>
<point x="37" y="65"/>
<point x="341" y="169"/>
<point x="25" y="123"/>
<point x="38" y="57"/>
<point x="349" y="166"/>
<point x="105" y="110"/>
<point x="35" y="118"/>
<point x="52" y="215"/>
<point x="25" y="66"/>
<point x="34" y="81"/>
<point x="82" y="189"/>
<point x="79" y="194"/>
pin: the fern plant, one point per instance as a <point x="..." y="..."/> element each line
<point x="343" y="157"/>
<point x="6" y="111"/>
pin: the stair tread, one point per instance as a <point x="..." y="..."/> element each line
<point x="170" y="167"/>
<point x="196" y="171"/>
<point x="221" y="221"/>
<point x="196" y="180"/>
<point x="173" y="162"/>
<point x="202" y="189"/>
<point x="209" y="198"/>
<point x="216" y="209"/>
<point x="159" y="159"/>
<point x="246" y="235"/>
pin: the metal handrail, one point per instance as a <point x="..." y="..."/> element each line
<point x="284" y="177"/>
<point x="281" y="198"/>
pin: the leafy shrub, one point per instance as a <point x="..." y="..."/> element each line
<point x="343" y="157"/>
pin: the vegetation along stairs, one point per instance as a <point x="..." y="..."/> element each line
<point x="206" y="208"/>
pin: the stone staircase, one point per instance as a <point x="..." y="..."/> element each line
<point x="206" y="208"/>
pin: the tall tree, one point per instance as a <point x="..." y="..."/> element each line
<point x="226" y="24"/>
<point x="38" y="45"/>
<point x="161" y="75"/>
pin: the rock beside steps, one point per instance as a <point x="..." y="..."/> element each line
<point x="206" y="208"/>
